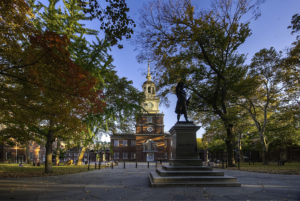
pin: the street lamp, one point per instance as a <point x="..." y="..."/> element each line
<point x="16" y="152"/>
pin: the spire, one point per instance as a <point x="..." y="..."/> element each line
<point x="148" y="74"/>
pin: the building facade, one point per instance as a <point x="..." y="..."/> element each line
<point x="149" y="142"/>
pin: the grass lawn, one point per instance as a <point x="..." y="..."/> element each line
<point x="273" y="168"/>
<point x="14" y="171"/>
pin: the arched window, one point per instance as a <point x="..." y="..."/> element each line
<point x="149" y="90"/>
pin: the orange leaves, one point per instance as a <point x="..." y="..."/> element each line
<point x="62" y="81"/>
<point x="51" y="40"/>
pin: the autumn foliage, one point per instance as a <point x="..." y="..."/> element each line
<point x="57" y="74"/>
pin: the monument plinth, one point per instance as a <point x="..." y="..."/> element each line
<point x="184" y="140"/>
<point x="186" y="169"/>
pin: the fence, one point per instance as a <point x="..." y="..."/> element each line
<point x="126" y="164"/>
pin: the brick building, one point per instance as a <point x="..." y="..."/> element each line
<point x="149" y="142"/>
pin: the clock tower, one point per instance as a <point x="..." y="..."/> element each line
<point x="150" y="126"/>
<point x="150" y="121"/>
<point x="151" y="102"/>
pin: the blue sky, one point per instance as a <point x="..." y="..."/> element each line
<point x="270" y="29"/>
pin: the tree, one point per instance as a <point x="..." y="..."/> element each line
<point x="200" y="49"/>
<point x="290" y="65"/>
<point x="120" y="97"/>
<point x="50" y="89"/>
<point x="58" y="95"/>
<point x="15" y="32"/>
<point x="264" y="102"/>
<point x="113" y="18"/>
<point x="283" y="130"/>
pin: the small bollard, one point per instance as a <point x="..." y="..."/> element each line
<point x="95" y="165"/>
<point x="112" y="165"/>
<point x="135" y="164"/>
<point x="148" y="164"/>
<point x="124" y="165"/>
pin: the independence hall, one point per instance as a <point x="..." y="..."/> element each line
<point x="149" y="143"/>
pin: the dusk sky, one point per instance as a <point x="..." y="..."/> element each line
<point x="270" y="29"/>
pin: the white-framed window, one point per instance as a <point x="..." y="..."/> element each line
<point x="116" y="143"/>
<point x="116" y="155"/>
<point x="133" y="155"/>
<point x="149" y="119"/>
<point x="133" y="143"/>
<point x="125" y="155"/>
<point x="125" y="143"/>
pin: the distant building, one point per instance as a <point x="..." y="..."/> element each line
<point x="21" y="153"/>
<point x="149" y="143"/>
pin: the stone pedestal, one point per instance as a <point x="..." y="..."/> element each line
<point x="185" y="169"/>
<point x="184" y="140"/>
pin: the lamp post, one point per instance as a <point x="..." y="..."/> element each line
<point x="16" y="152"/>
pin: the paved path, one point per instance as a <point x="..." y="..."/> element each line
<point x="133" y="184"/>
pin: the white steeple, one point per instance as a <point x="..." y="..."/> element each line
<point x="148" y="74"/>
<point x="151" y="102"/>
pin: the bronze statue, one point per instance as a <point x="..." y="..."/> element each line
<point x="182" y="102"/>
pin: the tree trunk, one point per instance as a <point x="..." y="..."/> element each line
<point x="229" y="146"/>
<point x="57" y="153"/>
<point x="240" y="148"/>
<point x="81" y="155"/>
<point x="28" y="160"/>
<point x="264" y="148"/>
<point x="48" y="162"/>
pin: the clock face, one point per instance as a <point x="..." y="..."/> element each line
<point x="149" y="129"/>
<point x="148" y="105"/>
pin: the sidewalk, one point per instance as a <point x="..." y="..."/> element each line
<point x="133" y="184"/>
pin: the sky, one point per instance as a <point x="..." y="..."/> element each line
<point x="270" y="29"/>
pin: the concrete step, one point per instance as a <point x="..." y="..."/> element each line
<point x="163" y="172"/>
<point x="157" y="180"/>
<point x="185" y="162"/>
<point x="178" y="168"/>
<point x="200" y="184"/>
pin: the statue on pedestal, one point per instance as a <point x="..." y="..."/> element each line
<point x="182" y="102"/>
